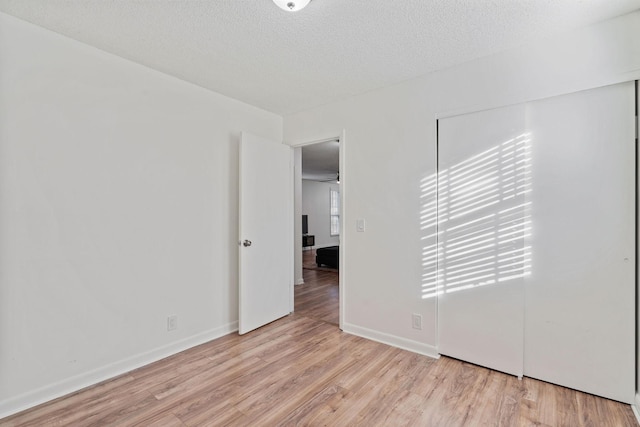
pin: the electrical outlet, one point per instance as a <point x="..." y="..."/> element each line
<point x="172" y="323"/>
<point x="416" y="321"/>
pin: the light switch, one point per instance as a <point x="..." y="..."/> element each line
<point x="360" y="225"/>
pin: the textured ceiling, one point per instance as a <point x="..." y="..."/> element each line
<point x="286" y="62"/>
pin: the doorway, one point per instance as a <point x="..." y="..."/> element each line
<point x="319" y="241"/>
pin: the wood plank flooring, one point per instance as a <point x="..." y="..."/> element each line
<point x="302" y="370"/>
<point x="318" y="297"/>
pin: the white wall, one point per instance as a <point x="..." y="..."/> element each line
<point x="317" y="205"/>
<point x="390" y="149"/>
<point x="118" y="208"/>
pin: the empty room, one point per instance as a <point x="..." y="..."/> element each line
<point x="469" y="258"/>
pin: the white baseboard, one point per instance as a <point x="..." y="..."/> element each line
<point x="392" y="340"/>
<point x="53" y="391"/>
<point x="636" y="407"/>
<point x="300" y="282"/>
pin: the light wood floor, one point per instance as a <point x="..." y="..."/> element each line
<point x="318" y="297"/>
<point x="301" y="370"/>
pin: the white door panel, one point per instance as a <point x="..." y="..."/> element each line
<point x="482" y="220"/>
<point x="579" y="324"/>
<point x="266" y="232"/>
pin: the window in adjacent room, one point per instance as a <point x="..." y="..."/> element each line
<point x="335" y="212"/>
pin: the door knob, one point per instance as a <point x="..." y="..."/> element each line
<point x="246" y="243"/>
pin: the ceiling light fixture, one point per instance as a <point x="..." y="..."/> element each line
<point x="292" y="5"/>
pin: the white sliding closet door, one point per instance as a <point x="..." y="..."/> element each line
<point x="580" y="297"/>
<point x="536" y="230"/>
<point x="483" y="222"/>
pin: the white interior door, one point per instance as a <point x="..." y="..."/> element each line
<point x="482" y="228"/>
<point x="580" y="297"/>
<point x="266" y="232"/>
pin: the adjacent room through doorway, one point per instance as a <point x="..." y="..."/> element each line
<point x="317" y="289"/>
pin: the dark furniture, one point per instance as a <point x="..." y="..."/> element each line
<point x="328" y="256"/>
<point x="308" y="240"/>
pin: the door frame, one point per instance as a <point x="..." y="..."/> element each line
<point x="341" y="137"/>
